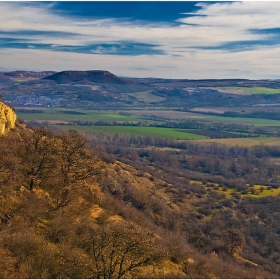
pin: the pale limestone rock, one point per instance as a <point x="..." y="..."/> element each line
<point x="7" y="118"/>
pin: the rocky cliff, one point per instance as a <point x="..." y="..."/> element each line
<point x="7" y="118"/>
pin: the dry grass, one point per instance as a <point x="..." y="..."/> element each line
<point x="247" y="142"/>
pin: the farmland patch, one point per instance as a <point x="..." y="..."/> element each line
<point x="51" y="114"/>
<point x="246" y="142"/>
<point x="253" y="90"/>
<point x="210" y="133"/>
<point x="73" y="112"/>
<point x="157" y="132"/>
<point x="146" y="96"/>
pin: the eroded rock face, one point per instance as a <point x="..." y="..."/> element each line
<point x="7" y="118"/>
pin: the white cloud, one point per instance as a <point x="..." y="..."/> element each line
<point x="224" y="22"/>
<point x="261" y="63"/>
<point x="211" y="26"/>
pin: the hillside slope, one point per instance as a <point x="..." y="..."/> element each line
<point x="67" y="211"/>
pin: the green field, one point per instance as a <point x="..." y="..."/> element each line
<point x="57" y="114"/>
<point x="237" y="120"/>
<point x="255" y="90"/>
<point x="157" y="132"/>
<point x="54" y="116"/>
<point x="205" y="118"/>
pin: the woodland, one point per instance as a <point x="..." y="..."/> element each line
<point x="72" y="208"/>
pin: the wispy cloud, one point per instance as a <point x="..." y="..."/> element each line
<point x="213" y="41"/>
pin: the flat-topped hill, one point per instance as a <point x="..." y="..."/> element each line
<point x="95" y="76"/>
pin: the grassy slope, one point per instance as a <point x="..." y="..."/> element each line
<point x="266" y="192"/>
<point x="146" y="96"/>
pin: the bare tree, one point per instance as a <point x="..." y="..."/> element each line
<point x="76" y="161"/>
<point x="118" y="248"/>
<point x="38" y="152"/>
<point x="233" y="239"/>
<point x="76" y="165"/>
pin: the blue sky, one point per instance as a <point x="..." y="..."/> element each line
<point x="184" y="39"/>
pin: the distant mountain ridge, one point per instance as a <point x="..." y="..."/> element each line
<point x="25" y="75"/>
<point x="96" y="89"/>
<point x="32" y="74"/>
<point x="95" y="76"/>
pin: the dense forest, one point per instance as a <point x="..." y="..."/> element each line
<point x="125" y="207"/>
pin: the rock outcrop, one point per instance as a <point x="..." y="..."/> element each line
<point x="7" y="118"/>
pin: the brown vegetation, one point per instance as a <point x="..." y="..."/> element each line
<point x="69" y="211"/>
